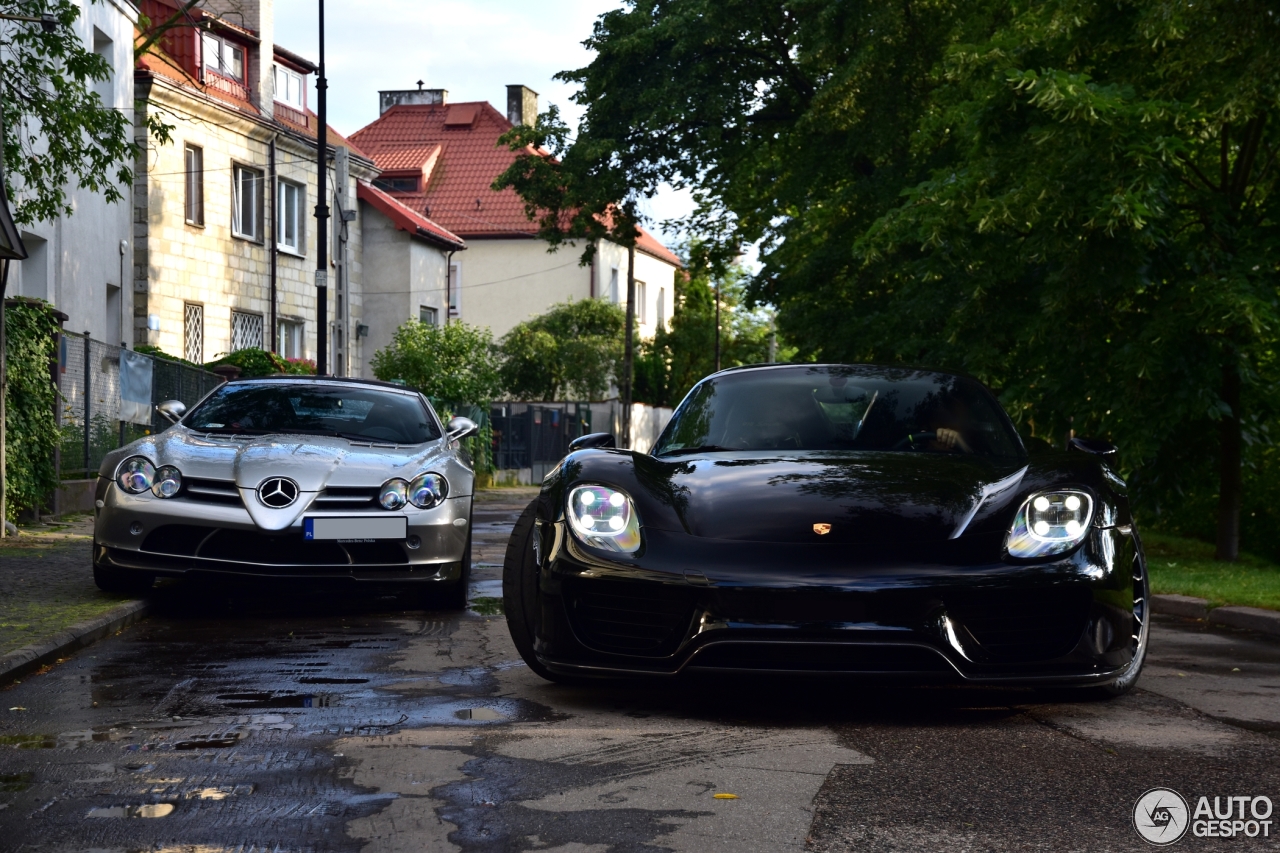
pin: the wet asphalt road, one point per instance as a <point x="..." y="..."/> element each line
<point x="318" y="720"/>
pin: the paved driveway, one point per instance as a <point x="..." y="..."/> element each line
<point x="305" y="720"/>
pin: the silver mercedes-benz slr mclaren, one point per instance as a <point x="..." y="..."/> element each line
<point x="298" y="477"/>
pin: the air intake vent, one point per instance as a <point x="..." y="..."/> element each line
<point x="1023" y="625"/>
<point x="630" y="618"/>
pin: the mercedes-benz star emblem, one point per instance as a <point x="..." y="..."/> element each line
<point x="278" y="492"/>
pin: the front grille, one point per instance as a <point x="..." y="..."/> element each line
<point x="821" y="657"/>
<point x="210" y="491"/>
<point x="628" y="617"/>
<point x="347" y="497"/>
<point x="1023" y="624"/>
<point x="289" y="549"/>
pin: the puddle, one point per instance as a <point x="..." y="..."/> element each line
<point x="15" y="783"/>
<point x="214" y="741"/>
<point x="485" y="606"/>
<point x="316" y="680"/>
<point x="154" y="810"/>
<point x="275" y="700"/>
<point x="485" y="715"/>
<point x="221" y="792"/>
<point x="30" y="741"/>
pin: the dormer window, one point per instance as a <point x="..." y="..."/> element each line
<point x="290" y="88"/>
<point x="223" y="57"/>
<point x="398" y="185"/>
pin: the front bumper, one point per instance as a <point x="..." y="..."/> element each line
<point x="174" y="537"/>
<point x="688" y="603"/>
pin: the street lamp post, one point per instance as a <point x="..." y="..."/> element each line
<point x="322" y="214"/>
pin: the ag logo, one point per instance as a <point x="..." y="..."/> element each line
<point x="1161" y="816"/>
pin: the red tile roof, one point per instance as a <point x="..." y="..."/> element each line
<point x="457" y="193"/>
<point x="406" y="218"/>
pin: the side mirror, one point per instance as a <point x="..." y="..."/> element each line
<point x="1093" y="447"/>
<point x="172" y="410"/>
<point x="595" y="439"/>
<point x="460" y="428"/>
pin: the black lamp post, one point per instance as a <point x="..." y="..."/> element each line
<point x="322" y="215"/>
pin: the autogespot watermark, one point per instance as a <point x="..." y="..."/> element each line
<point x="1163" y="817"/>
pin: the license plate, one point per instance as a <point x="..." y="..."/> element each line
<point x="360" y="529"/>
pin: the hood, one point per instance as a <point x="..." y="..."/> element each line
<point x="313" y="462"/>
<point x="868" y="498"/>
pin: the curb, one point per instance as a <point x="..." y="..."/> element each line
<point x="30" y="658"/>
<point x="1250" y="618"/>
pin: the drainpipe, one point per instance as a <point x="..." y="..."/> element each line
<point x="448" y="285"/>
<point x="275" y="238"/>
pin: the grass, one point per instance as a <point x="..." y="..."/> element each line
<point x="1187" y="567"/>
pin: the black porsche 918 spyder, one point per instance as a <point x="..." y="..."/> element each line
<point x="851" y="519"/>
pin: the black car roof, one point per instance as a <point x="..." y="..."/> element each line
<point x="839" y="365"/>
<point x="351" y="380"/>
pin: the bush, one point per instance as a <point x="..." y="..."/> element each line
<point x="31" y="433"/>
<point x="453" y="362"/>
<point x="253" y="362"/>
<point x="149" y="349"/>
<point x="572" y="351"/>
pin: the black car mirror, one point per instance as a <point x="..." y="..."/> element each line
<point x="595" y="439"/>
<point x="172" y="410"/>
<point x="460" y="428"/>
<point x="1093" y="446"/>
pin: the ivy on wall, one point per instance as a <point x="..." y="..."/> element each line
<point x="31" y="435"/>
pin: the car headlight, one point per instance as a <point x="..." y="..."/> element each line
<point x="428" y="490"/>
<point x="1050" y="523"/>
<point x="135" y="475"/>
<point x="168" y="482"/>
<point x="604" y="518"/>
<point x="394" y="494"/>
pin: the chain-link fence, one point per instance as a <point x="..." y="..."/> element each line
<point x="94" y="419"/>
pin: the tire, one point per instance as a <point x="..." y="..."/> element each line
<point x="1141" y="635"/>
<point x="122" y="581"/>
<point x="520" y="595"/>
<point x="455" y="597"/>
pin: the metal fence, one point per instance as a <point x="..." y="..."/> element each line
<point x="536" y="435"/>
<point x="89" y="404"/>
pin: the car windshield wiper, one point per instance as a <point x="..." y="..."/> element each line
<point x="702" y="448"/>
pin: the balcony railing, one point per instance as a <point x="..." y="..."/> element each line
<point x="225" y="85"/>
<point x="292" y="115"/>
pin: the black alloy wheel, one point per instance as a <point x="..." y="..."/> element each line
<point x="520" y="593"/>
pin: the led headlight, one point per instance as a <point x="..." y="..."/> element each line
<point x="1050" y="523"/>
<point x="394" y="494"/>
<point x="604" y="518"/>
<point x="135" y="475"/>
<point x="428" y="490"/>
<point x="168" y="482"/>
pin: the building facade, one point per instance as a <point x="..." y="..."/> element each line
<point x="439" y="159"/>
<point x="224" y="244"/>
<point x="81" y="263"/>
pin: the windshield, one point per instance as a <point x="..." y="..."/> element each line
<point x="840" y="408"/>
<point x="296" y="407"/>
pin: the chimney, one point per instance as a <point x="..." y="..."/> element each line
<point x="411" y="97"/>
<point x="257" y="16"/>
<point x="522" y="105"/>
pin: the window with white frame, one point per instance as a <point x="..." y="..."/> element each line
<point x="641" y="303"/>
<point x="289" y="338"/>
<point x="455" y="290"/>
<point x="289" y="217"/>
<point x="246" y="203"/>
<point x="290" y="88"/>
<point x="193" y="332"/>
<point x="194" y="201"/>
<point x="223" y="57"/>
<point x="428" y="315"/>
<point x="246" y="330"/>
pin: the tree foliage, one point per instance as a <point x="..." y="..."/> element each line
<point x="57" y="130"/>
<point x="1072" y="200"/>
<point x="574" y="351"/>
<point x="454" y="363"/>
<point x="31" y="434"/>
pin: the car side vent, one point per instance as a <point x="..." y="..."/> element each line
<point x="630" y="618"/>
<point x="347" y="497"/>
<point x="210" y="491"/>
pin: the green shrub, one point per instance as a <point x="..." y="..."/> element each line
<point x="31" y="433"/>
<point x="252" y="362"/>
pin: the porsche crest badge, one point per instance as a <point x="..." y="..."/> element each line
<point x="822" y="529"/>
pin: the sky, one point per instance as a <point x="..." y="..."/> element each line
<point x="472" y="48"/>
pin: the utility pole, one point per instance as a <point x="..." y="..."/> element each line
<point x="322" y="214"/>
<point x="628" y="353"/>
<point x="341" y="308"/>
<point x="717" y="325"/>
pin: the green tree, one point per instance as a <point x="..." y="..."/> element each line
<point x="1073" y="200"/>
<point x="56" y="128"/>
<point x="453" y="364"/>
<point x="574" y="351"/>
<point x="31" y="434"/>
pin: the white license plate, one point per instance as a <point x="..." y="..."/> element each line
<point x="357" y="529"/>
